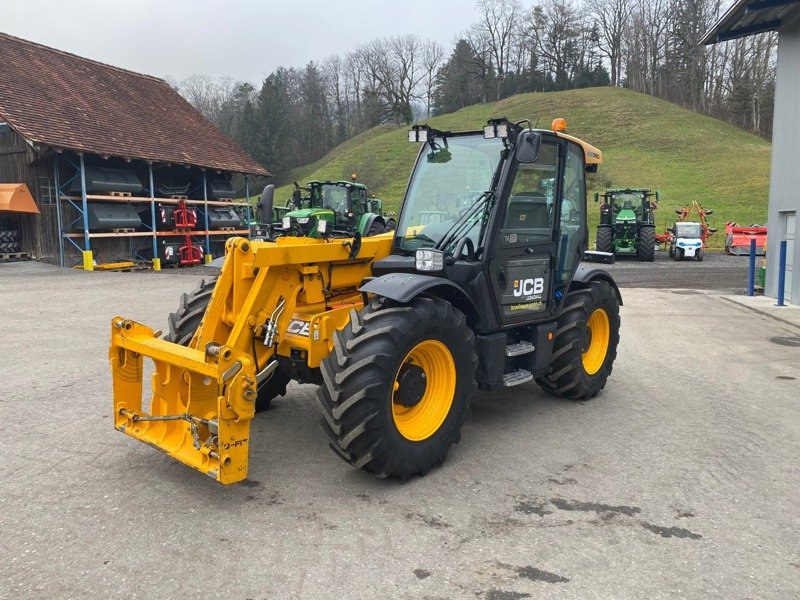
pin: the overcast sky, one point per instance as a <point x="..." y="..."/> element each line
<point x="236" y="38"/>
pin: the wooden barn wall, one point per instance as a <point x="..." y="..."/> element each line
<point x="18" y="164"/>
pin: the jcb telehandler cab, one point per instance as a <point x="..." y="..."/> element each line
<point x="398" y="330"/>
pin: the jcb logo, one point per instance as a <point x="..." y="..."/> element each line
<point x="528" y="287"/>
<point x="298" y="327"/>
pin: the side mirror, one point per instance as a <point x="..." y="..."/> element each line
<point x="528" y="145"/>
<point x="597" y="196"/>
<point x="265" y="203"/>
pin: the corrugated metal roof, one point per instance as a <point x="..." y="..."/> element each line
<point x="748" y="17"/>
<point x="64" y="101"/>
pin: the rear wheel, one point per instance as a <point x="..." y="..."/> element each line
<point x="184" y="322"/>
<point x="376" y="228"/>
<point x="585" y="343"/>
<point x="646" y="243"/>
<point x="396" y="389"/>
<point x="604" y="242"/>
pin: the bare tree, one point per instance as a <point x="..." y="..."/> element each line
<point x="496" y="27"/>
<point x="613" y="19"/>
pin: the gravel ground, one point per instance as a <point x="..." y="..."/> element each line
<point x="718" y="271"/>
<point x="680" y="480"/>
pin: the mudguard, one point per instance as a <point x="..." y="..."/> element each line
<point x="403" y="287"/>
<point x="586" y="273"/>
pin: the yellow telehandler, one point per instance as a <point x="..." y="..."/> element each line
<point x="479" y="287"/>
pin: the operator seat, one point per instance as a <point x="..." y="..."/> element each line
<point x="528" y="210"/>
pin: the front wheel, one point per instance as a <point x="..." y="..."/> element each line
<point x="397" y="387"/>
<point x="585" y="343"/>
<point x="700" y="255"/>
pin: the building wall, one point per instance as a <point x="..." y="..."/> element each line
<point x="19" y="164"/>
<point x="784" y="193"/>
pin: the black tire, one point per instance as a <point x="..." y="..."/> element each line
<point x="357" y="397"/>
<point x="671" y="251"/>
<point x="646" y="244"/>
<point x="604" y="242"/>
<point x="568" y="376"/>
<point x="376" y="228"/>
<point x="184" y="322"/>
<point x="391" y="224"/>
<point x="9" y="235"/>
<point x="700" y="255"/>
<point x="678" y="254"/>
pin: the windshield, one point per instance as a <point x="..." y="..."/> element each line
<point x="687" y="230"/>
<point x="331" y="196"/>
<point x="445" y="184"/>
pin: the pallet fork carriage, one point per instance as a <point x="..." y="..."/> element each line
<point x="399" y="329"/>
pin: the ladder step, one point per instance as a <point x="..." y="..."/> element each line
<point x="517" y="377"/>
<point x="519" y="348"/>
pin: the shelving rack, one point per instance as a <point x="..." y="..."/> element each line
<point x="80" y="204"/>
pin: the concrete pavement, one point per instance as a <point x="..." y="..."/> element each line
<point x="680" y="480"/>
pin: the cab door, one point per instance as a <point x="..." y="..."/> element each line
<point x="543" y="234"/>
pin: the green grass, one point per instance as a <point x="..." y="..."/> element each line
<point x="646" y="142"/>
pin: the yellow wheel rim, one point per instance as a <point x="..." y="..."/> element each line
<point x="421" y="421"/>
<point x="600" y="334"/>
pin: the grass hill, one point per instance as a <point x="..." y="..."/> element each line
<point x="646" y="142"/>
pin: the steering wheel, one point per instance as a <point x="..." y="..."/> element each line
<point x="465" y="241"/>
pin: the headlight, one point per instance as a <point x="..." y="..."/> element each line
<point x="322" y="226"/>
<point x="429" y="260"/>
<point x="287" y="222"/>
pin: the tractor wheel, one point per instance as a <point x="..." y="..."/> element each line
<point x="391" y="224"/>
<point x="376" y="228"/>
<point x="185" y="321"/>
<point x="397" y="386"/>
<point x="604" y="242"/>
<point x="585" y="343"/>
<point x="646" y="244"/>
<point x="700" y="255"/>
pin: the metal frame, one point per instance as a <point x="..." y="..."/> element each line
<point x="77" y="164"/>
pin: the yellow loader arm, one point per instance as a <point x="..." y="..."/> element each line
<point x="203" y="396"/>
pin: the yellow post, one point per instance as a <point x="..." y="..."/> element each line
<point x="88" y="260"/>
<point x="156" y="264"/>
<point x="209" y="258"/>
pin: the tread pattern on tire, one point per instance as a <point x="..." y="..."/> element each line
<point x="646" y="243"/>
<point x="184" y="322"/>
<point x="567" y="377"/>
<point x="355" y="399"/>
<point x="604" y="242"/>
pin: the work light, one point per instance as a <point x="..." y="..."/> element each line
<point x="429" y="260"/>
<point x="287" y="222"/>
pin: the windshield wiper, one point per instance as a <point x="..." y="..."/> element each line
<point x="461" y="222"/>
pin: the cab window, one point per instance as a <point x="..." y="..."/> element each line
<point x="530" y="205"/>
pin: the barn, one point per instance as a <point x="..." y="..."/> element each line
<point x="749" y="17"/>
<point x="118" y="164"/>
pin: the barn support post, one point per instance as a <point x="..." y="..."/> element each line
<point x="88" y="263"/>
<point x="247" y="200"/>
<point x="205" y="206"/>
<point x="57" y="184"/>
<point x="156" y="259"/>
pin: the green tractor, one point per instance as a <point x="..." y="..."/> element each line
<point x="329" y="208"/>
<point x="627" y="224"/>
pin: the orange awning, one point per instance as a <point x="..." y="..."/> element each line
<point x="16" y="197"/>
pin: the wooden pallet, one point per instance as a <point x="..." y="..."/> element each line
<point x="123" y="230"/>
<point x="120" y="194"/>
<point x="14" y="256"/>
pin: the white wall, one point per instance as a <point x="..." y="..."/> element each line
<point x="784" y="192"/>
